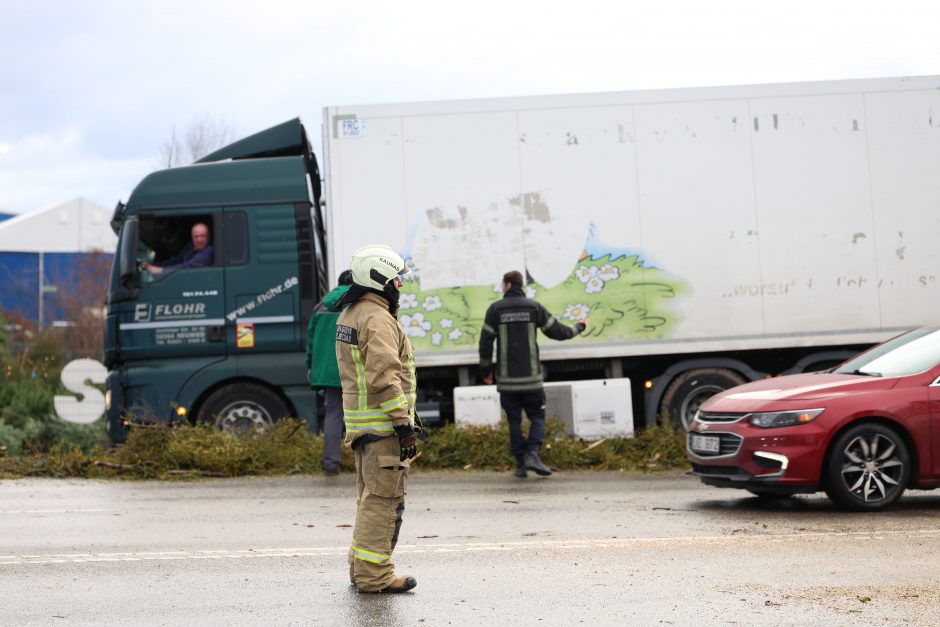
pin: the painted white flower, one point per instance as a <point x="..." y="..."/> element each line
<point x="436" y="338"/>
<point x="432" y="302"/>
<point x="408" y="301"/>
<point x="576" y="312"/>
<point x="447" y="323"/>
<point x="585" y="273"/>
<point x="593" y="286"/>
<point x="415" y="324"/>
<point x="530" y="291"/>
<point x="455" y="334"/>
<point x="608" y="273"/>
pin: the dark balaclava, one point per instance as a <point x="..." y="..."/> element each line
<point x="392" y="294"/>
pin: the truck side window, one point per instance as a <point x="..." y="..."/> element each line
<point x="172" y="243"/>
<point x="235" y="236"/>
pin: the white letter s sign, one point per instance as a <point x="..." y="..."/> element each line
<point x="74" y="375"/>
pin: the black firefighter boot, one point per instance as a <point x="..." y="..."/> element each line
<point x="534" y="462"/>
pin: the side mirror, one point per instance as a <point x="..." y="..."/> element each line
<point x="127" y="254"/>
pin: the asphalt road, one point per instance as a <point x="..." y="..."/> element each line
<point x="486" y="548"/>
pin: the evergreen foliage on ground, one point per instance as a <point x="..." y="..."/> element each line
<point x="28" y="382"/>
<point x="162" y="452"/>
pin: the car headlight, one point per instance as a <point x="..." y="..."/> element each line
<point x="784" y="418"/>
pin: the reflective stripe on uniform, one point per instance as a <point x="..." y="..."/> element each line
<point x="361" y="387"/>
<point x="533" y="351"/>
<point x="548" y="324"/>
<point x="389" y="405"/>
<point x="413" y="394"/>
<point x="369" y="556"/>
<point x="361" y="419"/>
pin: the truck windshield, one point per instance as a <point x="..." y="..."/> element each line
<point x="906" y="354"/>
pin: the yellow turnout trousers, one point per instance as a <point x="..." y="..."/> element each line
<point x="381" y="483"/>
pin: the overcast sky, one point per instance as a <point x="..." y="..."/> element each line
<point x="91" y="89"/>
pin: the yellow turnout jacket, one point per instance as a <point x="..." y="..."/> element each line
<point x="376" y="368"/>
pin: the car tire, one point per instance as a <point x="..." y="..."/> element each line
<point x="686" y="393"/>
<point x="868" y="468"/>
<point x="243" y="406"/>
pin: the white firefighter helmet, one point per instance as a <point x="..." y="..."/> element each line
<point x="375" y="265"/>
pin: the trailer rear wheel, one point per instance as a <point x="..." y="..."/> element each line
<point x="690" y="389"/>
<point x="243" y="406"/>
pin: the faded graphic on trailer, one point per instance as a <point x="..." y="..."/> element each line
<point x="625" y="297"/>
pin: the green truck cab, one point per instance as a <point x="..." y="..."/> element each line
<point x="221" y="343"/>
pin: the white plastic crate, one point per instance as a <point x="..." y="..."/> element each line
<point x="590" y="409"/>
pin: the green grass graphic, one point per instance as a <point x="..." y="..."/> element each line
<point x="624" y="300"/>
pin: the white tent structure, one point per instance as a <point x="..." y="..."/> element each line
<point x="76" y="226"/>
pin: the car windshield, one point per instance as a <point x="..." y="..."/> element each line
<point x="906" y="354"/>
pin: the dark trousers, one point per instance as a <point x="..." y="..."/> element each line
<point x="332" y="427"/>
<point x="513" y="403"/>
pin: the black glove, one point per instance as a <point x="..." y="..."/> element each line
<point x="419" y="426"/>
<point x="407" y="440"/>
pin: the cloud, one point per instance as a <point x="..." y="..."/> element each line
<point x="91" y="89"/>
<point x="43" y="169"/>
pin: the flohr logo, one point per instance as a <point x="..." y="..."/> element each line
<point x="142" y="312"/>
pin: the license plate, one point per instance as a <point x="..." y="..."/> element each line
<point x="705" y="443"/>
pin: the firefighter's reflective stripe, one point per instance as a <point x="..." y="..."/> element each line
<point x="389" y="405"/>
<point x="361" y="385"/>
<point x="548" y="324"/>
<point x="361" y="419"/>
<point x="413" y="393"/>
<point x="369" y="556"/>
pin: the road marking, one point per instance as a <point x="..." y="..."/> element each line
<point x="52" y="511"/>
<point x="464" y="547"/>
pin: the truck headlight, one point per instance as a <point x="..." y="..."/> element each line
<point x="784" y="418"/>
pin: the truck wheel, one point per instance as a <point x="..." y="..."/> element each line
<point x="690" y="389"/>
<point x="243" y="406"/>
<point x="868" y="468"/>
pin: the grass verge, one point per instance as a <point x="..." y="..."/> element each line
<point x="160" y="452"/>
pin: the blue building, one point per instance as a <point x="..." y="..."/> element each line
<point x="47" y="255"/>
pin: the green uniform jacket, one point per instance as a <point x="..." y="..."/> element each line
<point x="321" y="341"/>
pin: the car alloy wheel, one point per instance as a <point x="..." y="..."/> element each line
<point x="869" y="468"/>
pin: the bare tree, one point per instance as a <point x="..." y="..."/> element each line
<point x="201" y="137"/>
<point x="79" y="303"/>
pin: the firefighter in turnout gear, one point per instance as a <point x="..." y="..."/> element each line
<point x="513" y="322"/>
<point x="377" y="371"/>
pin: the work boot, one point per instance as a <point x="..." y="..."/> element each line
<point x="520" y="471"/>
<point x="401" y="584"/>
<point x="533" y="462"/>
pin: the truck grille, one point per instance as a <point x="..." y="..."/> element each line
<point x="721" y="417"/>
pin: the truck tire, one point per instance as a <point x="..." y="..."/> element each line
<point x="868" y="468"/>
<point x="243" y="406"/>
<point x="689" y="390"/>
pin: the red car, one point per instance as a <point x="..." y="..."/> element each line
<point x="863" y="431"/>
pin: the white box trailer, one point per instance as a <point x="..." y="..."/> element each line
<point x="712" y="235"/>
